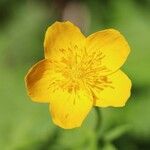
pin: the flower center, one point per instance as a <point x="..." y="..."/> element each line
<point x="80" y="68"/>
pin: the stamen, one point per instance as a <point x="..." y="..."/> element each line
<point x="77" y="65"/>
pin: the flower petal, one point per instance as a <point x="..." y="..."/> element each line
<point x="39" y="81"/>
<point x="113" y="47"/>
<point x="117" y="93"/>
<point x="61" y="36"/>
<point x="69" y="109"/>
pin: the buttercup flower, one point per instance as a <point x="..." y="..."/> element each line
<point x="78" y="73"/>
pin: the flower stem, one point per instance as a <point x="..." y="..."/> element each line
<point x="99" y="119"/>
<point x="98" y="127"/>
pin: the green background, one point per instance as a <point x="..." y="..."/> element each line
<point x="25" y="125"/>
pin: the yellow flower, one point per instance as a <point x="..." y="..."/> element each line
<point x="78" y="73"/>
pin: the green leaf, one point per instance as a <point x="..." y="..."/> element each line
<point x="115" y="133"/>
<point x="109" y="146"/>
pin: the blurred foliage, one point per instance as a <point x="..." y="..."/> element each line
<point x="27" y="126"/>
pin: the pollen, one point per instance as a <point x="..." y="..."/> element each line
<point x="82" y="69"/>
